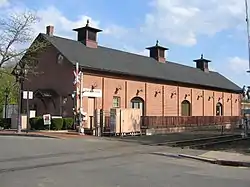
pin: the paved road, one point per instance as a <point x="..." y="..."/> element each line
<point x="39" y="162"/>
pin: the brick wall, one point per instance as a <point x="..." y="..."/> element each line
<point x="162" y="100"/>
<point x="51" y="75"/>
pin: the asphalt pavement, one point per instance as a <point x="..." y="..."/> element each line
<point x="41" y="162"/>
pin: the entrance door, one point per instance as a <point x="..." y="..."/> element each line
<point x="91" y="112"/>
<point x="138" y="103"/>
<point x="219" y="109"/>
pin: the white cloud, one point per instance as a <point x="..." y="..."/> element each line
<point x="181" y="21"/>
<point x="116" y="31"/>
<point x="131" y="49"/>
<point x="63" y="26"/>
<point x="4" y="3"/>
<point x="238" y="65"/>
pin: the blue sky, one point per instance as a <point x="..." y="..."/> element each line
<point x="187" y="27"/>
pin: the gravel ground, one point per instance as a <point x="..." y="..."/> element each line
<point x="242" y="147"/>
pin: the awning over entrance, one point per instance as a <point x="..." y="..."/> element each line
<point x="45" y="93"/>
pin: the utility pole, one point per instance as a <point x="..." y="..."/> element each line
<point x="6" y="102"/>
<point x="248" y="71"/>
<point x="81" y="108"/>
<point x="248" y="36"/>
<point x="77" y="81"/>
<point x="28" y="111"/>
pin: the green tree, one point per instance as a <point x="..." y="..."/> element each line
<point x="7" y="83"/>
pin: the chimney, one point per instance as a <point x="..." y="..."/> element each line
<point x="157" y="52"/>
<point x="202" y="64"/>
<point x="50" y="30"/>
<point x="87" y="35"/>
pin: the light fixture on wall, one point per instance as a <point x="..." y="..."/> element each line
<point x="157" y="92"/>
<point x="64" y="100"/>
<point x="138" y="91"/>
<point x="172" y="94"/>
<point x="220" y="98"/>
<point x="199" y="96"/>
<point x="228" y="99"/>
<point x="117" y="89"/>
<point x="60" y="58"/>
<point x="210" y="97"/>
<point x="186" y="95"/>
<point x="93" y="86"/>
<point x="236" y="100"/>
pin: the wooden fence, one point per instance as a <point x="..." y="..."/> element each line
<point x="189" y="121"/>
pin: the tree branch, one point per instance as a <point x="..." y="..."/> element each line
<point x="16" y="31"/>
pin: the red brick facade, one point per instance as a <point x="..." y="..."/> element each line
<point x="161" y="104"/>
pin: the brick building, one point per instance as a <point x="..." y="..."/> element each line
<point x="113" y="78"/>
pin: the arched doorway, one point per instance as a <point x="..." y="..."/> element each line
<point x="46" y="101"/>
<point x="185" y="108"/>
<point x="137" y="102"/>
<point x="219" y="109"/>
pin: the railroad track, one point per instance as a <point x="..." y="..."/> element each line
<point x="205" y="142"/>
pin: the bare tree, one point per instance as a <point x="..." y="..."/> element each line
<point x="16" y="34"/>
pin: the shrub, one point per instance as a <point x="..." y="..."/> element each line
<point x="37" y="123"/>
<point x="68" y="123"/>
<point x="5" y="123"/>
<point x="56" y="124"/>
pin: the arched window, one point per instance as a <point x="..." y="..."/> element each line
<point x="219" y="109"/>
<point x="137" y="102"/>
<point x="185" y="108"/>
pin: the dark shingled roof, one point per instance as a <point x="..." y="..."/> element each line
<point x="112" y="60"/>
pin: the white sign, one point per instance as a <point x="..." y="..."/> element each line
<point x="32" y="114"/>
<point x="47" y="119"/>
<point x="77" y="77"/>
<point x="27" y="94"/>
<point x="87" y="92"/>
<point x="56" y="117"/>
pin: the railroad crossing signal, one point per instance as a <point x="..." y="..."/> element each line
<point x="77" y="77"/>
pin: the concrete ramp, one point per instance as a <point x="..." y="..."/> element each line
<point x="220" y="155"/>
<point x="213" y="157"/>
